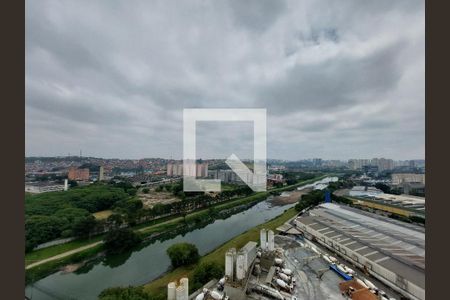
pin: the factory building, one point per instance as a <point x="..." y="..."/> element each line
<point x="40" y="187"/>
<point x="407" y="178"/>
<point x="364" y="191"/>
<point x="391" y="251"/>
<point x="404" y="205"/>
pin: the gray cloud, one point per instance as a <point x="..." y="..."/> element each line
<point x="339" y="80"/>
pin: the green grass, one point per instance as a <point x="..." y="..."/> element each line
<point x="45" y="253"/>
<point x="34" y="274"/>
<point x="217" y="256"/>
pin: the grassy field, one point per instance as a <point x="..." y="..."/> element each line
<point x="101" y="215"/>
<point x="217" y="256"/>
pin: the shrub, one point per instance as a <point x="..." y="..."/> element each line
<point x="121" y="240"/>
<point x="124" y="293"/>
<point x="207" y="271"/>
<point x="183" y="254"/>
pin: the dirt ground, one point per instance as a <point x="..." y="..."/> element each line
<point x="71" y="268"/>
<point x="152" y="198"/>
<point x="289" y="197"/>
<point x="342" y="192"/>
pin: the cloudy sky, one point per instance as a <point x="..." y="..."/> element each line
<point x="339" y="79"/>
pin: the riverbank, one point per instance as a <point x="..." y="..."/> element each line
<point x="36" y="256"/>
<point x="161" y="230"/>
<point x="217" y="256"/>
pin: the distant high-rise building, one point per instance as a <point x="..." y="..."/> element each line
<point x="383" y="164"/>
<point x="192" y="168"/>
<point x="101" y="174"/>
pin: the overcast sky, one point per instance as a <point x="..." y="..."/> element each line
<point x="339" y="79"/>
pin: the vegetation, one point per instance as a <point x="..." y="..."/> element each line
<point x="62" y="214"/>
<point x="154" y="226"/>
<point x="295" y="177"/>
<point x="204" y="272"/>
<point x="45" y="253"/>
<point x="46" y="269"/>
<point x="310" y="199"/>
<point x="417" y="219"/>
<point x="158" y="287"/>
<point x="124" y="293"/>
<point x="121" y="240"/>
<point x="182" y="254"/>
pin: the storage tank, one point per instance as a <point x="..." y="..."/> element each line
<point x="287" y="271"/>
<point x="222" y="281"/>
<point x="200" y="296"/>
<point x="350" y="271"/>
<point x="361" y="283"/>
<point x="370" y="284"/>
<point x="263" y="239"/>
<point x="184" y="282"/>
<point x="230" y="260"/>
<point x="284" y="277"/>
<point x="278" y="261"/>
<point x="270" y="240"/>
<point x="181" y="293"/>
<point x="216" y="295"/>
<point x="315" y="250"/>
<point x="327" y="259"/>
<point x="171" y="291"/>
<point x="240" y="266"/>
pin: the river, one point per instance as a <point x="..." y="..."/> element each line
<point x="149" y="262"/>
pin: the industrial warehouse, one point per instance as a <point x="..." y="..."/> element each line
<point x="389" y="250"/>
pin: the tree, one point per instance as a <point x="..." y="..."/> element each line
<point x="145" y="190"/>
<point x="384" y="187"/>
<point x="40" y="229"/>
<point x="183" y="254"/>
<point x="207" y="271"/>
<point x="83" y="227"/>
<point x="121" y="240"/>
<point x="124" y="293"/>
<point x="115" y="220"/>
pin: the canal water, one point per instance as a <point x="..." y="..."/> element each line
<point x="149" y="262"/>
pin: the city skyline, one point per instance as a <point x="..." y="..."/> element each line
<point x="113" y="79"/>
